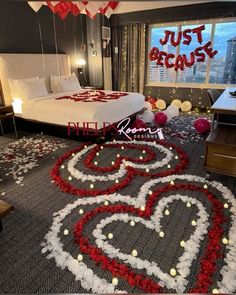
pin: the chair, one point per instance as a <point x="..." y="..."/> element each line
<point x="213" y="94"/>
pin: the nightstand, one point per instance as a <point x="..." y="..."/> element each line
<point x="5" y="209"/>
<point x="7" y="112"/>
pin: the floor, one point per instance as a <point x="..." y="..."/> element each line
<point x="30" y="259"/>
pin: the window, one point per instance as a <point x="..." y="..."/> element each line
<point x="223" y="66"/>
<point x="197" y="73"/>
<point x="159" y="73"/>
<point x="217" y="71"/>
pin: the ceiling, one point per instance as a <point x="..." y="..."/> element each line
<point x="131" y="6"/>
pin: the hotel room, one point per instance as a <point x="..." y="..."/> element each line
<point x="118" y="147"/>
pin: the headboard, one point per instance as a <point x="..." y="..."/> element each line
<point x="20" y="66"/>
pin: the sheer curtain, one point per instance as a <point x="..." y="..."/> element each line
<point x="128" y="52"/>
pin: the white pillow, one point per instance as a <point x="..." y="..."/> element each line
<point x="13" y="85"/>
<point x="65" y="83"/>
<point x="31" y="89"/>
<point x="68" y="85"/>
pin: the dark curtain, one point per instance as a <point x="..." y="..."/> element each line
<point x="128" y="57"/>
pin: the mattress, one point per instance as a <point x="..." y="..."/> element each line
<point x="49" y="110"/>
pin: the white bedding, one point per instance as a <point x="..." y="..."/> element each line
<point x="48" y="110"/>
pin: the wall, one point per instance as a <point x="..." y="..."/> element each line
<point x="20" y="31"/>
<point x="95" y="51"/>
<point x="176" y="14"/>
<point x="98" y="75"/>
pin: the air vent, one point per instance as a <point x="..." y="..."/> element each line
<point x="106" y="34"/>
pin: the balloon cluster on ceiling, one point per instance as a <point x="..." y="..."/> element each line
<point x="62" y="8"/>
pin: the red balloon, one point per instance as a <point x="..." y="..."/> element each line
<point x="160" y="118"/>
<point x="153" y="55"/>
<point x="202" y="125"/>
<point x="169" y="65"/>
<point x="113" y="4"/>
<point x="152" y="101"/>
<point x="139" y="123"/>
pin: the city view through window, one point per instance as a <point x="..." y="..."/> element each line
<point x="219" y="70"/>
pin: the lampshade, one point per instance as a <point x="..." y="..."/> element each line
<point x="81" y="62"/>
<point x="17" y="105"/>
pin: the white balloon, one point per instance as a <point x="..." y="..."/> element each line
<point x="148" y="105"/>
<point x="174" y="110"/>
<point x="169" y="115"/>
<point x="35" y="5"/>
<point x="148" y="116"/>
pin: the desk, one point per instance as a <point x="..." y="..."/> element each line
<point x="225" y="107"/>
<point x="225" y="104"/>
<point x="220" y="155"/>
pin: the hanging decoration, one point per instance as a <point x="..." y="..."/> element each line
<point x="63" y="8"/>
<point x="35" y="5"/>
<point x="181" y="61"/>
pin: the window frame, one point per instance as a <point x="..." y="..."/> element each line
<point x="179" y="25"/>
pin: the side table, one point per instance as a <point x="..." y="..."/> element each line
<point x="7" y="112"/>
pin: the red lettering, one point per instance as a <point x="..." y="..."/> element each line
<point x="201" y="55"/>
<point x="179" y="63"/>
<point x="71" y="127"/>
<point x="191" y="62"/>
<point x="187" y="37"/>
<point x="198" y="31"/>
<point x="172" y="40"/>
<point x="153" y="55"/>
<point x="160" y="58"/>
<point x="166" y="38"/>
<point x="107" y="127"/>
<point x="168" y="57"/>
<point x="209" y="51"/>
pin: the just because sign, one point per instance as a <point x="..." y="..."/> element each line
<point x="179" y="62"/>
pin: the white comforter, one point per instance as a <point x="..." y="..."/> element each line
<point x="48" y="110"/>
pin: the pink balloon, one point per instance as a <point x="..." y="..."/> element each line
<point x="202" y="125"/>
<point x="160" y="118"/>
<point x="139" y="123"/>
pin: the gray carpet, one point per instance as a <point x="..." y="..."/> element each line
<point x="24" y="269"/>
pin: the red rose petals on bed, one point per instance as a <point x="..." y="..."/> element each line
<point x="93" y="95"/>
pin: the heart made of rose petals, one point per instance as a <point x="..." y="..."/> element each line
<point x="179" y="282"/>
<point x="89" y="280"/>
<point x="126" y="169"/>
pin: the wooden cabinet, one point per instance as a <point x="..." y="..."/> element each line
<point x="221" y="150"/>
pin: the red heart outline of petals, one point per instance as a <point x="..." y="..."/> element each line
<point x="67" y="187"/>
<point x="208" y="261"/>
<point x="88" y="162"/>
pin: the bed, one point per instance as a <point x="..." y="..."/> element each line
<point x="48" y="109"/>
